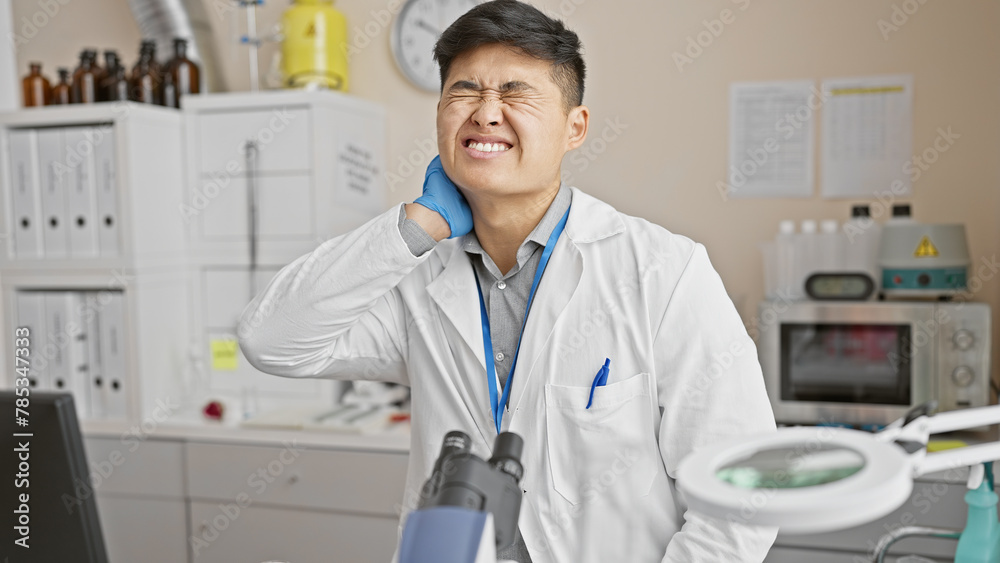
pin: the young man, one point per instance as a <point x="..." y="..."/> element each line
<point x="395" y="301"/>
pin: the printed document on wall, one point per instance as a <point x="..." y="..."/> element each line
<point x="867" y="136"/>
<point x="770" y="139"/>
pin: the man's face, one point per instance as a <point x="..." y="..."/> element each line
<point x="507" y="101"/>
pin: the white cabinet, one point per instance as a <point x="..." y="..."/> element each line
<point x="270" y="176"/>
<point x="92" y="194"/>
<point x="186" y="499"/>
<point x="139" y="488"/>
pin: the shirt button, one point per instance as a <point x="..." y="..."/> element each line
<point x="499" y="356"/>
<point x="501" y="284"/>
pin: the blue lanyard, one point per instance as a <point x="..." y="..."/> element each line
<point x="498" y="405"/>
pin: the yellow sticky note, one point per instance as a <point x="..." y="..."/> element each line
<point x="224" y="354"/>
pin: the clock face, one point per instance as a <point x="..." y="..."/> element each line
<point x="417" y="28"/>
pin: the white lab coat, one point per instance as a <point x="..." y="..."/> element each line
<point x="599" y="483"/>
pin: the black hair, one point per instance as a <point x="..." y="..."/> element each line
<point x="525" y="28"/>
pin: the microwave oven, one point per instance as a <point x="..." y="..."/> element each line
<point x="868" y="363"/>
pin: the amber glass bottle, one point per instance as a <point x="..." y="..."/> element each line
<point x="36" y="87"/>
<point x="184" y="73"/>
<point x="84" y="87"/>
<point x="144" y="84"/>
<point x="60" y="92"/>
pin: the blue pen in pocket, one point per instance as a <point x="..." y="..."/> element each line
<point x="600" y="380"/>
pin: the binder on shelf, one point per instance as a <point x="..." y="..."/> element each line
<point x="95" y="368"/>
<point x="30" y="306"/>
<point x="53" y="176"/>
<point x="107" y="192"/>
<point x="25" y="222"/>
<point x="55" y="349"/>
<point x="76" y="352"/>
<point x="112" y="344"/>
<point x="78" y="154"/>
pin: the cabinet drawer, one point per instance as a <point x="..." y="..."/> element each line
<point x="281" y="135"/>
<point x="334" y="480"/>
<point x="133" y="466"/>
<point x="228" y="533"/>
<point x="143" y="529"/>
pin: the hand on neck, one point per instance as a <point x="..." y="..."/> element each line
<point x="503" y="222"/>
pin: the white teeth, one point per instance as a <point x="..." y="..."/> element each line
<point x="487" y="147"/>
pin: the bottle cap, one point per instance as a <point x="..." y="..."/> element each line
<point x="861" y="211"/>
<point x="901" y="210"/>
<point x="808" y="226"/>
<point x="786" y="227"/>
<point x="828" y="226"/>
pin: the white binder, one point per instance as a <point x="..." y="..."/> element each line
<point x="112" y="343"/>
<point x="53" y="175"/>
<point x="56" y="347"/>
<point x="76" y="352"/>
<point x="25" y="193"/>
<point x="31" y="314"/>
<point x="80" y="196"/>
<point x="95" y="369"/>
<point x="105" y="166"/>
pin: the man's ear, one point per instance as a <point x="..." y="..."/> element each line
<point x="577" y="123"/>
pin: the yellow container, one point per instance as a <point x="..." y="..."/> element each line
<point x="314" y="50"/>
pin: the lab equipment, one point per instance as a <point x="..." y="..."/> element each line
<point x="923" y="260"/>
<point x="48" y="481"/>
<point x="84" y="88"/>
<point x="35" y="87"/>
<point x="858" y="286"/>
<point x="819" y="479"/>
<point x="314" y="46"/>
<point x="146" y="78"/>
<point x="61" y="91"/>
<point x="469" y="506"/>
<point x="870" y="362"/>
<point x="181" y="75"/>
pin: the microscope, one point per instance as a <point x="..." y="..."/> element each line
<point x="469" y="506"/>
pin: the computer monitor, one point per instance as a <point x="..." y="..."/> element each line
<point x="47" y="497"/>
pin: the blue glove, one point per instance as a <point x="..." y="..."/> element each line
<point x="441" y="195"/>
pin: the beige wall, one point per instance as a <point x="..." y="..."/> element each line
<point x="664" y="166"/>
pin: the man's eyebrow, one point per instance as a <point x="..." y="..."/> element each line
<point x="463" y="85"/>
<point x="512" y="86"/>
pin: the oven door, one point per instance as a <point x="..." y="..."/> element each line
<point x="853" y="363"/>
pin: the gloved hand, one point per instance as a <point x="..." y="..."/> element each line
<point x="441" y="195"/>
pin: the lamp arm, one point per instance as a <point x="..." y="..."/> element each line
<point x="959" y="457"/>
<point x="963" y="419"/>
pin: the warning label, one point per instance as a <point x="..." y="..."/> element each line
<point x="925" y="249"/>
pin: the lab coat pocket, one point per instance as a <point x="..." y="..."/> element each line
<point x="608" y="450"/>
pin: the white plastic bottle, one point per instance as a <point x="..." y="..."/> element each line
<point x="785" y="264"/>
<point x="807" y="248"/>
<point x="831" y="255"/>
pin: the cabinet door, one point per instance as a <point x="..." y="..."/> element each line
<point x="143" y="529"/>
<point x="226" y="533"/>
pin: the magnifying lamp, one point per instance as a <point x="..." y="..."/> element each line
<point x="820" y="479"/>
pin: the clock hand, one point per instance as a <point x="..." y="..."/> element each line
<point x="428" y="27"/>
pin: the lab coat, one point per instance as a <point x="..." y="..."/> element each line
<point x="599" y="482"/>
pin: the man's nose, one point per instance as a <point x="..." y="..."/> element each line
<point x="489" y="114"/>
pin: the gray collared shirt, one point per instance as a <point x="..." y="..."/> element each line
<point x="505" y="295"/>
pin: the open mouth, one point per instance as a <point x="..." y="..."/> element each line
<point x="496" y="146"/>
